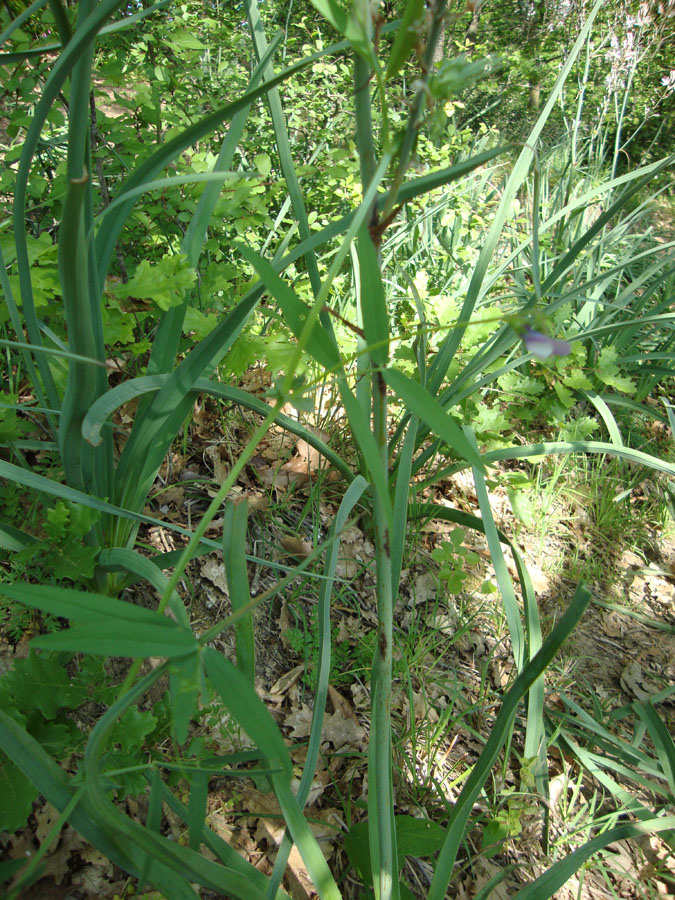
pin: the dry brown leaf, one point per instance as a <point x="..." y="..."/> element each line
<point x="296" y="546"/>
<point x="214" y="571"/>
<point x="281" y="685"/>
<point x="484" y="870"/>
<point x="340" y="703"/>
<point x="220" y="469"/>
<point x="299" y="721"/>
<point x="632" y="681"/>
<point x="612" y="625"/>
<point x="341" y="731"/>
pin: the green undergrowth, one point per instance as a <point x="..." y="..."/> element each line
<point x="465" y="336"/>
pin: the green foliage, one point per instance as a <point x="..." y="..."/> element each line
<point x="42" y="691"/>
<point x="454" y="561"/>
<point x="394" y="236"/>
<point x="415" y="837"/>
<point x="165" y="282"/>
<point x="348" y="659"/>
<point x="62" y="553"/>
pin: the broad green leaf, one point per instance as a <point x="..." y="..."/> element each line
<point x="414" y="837"/>
<point x="164" y="282"/>
<point x="420" y="402"/>
<point x="41" y="682"/>
<point x="17" y="794"/>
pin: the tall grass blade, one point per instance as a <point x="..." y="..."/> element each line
<point x="283" y="143"/>
<point x="450" y="344"/>
<point x="547" y="884"/>
<point x="350" y="499"/>
<point x="235" y="521"/>
<point x="464" y="803"/>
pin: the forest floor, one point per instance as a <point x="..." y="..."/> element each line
<point x="454" y="660"/>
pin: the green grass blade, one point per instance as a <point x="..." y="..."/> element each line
<point x="62" y="68"/>
<point x="221" y="849"/>
<point x="235" y="522"/>
<point x="373" y="303"/>
<point x="420" y="401"/>
<point x="154" y="431"/>
<point x="402" y="488"/>
<point x="464" y="803"/>
<point x="606" y="416"/>
<point x="130" y="21"/>
<point x="18" y="21"/>
<point x="663" y="742"/>
<point x="199" y="795"/>
<point x="121" y="639"/>
<point x="306" y="843"/>
<point x="547" y="884"/>
<point x="135" y="387"/>
<point x="120" y="558"/>
<point x="350" y="499"/>
<point x="282" y="141"/>
<point x="241" y="700"/>
<point x="320" y="344"/>
<point x="563" y="447"/>
<point x="450" y="344"/>
<point x="83" y="607"/>
<point x="185" y="685"/>
<point x="595" y="766"/>
<point x="53" y="783"/>
<point x="508" y="594"/>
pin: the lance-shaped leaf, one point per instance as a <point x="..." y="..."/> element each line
<point x="419" y="401"/>
<point x="373" y="301"/>
<point x="320" y="345"/>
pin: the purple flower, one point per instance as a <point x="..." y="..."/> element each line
<point x="542" y="347"/>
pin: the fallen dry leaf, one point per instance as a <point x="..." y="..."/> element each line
<point x="281" y="685"/>
<point x="296" y="547"/>
<point x="632" y="681"/>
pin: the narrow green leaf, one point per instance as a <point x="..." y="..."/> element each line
<point x="185" y="682"/>
<point x="467" y="797"/>
<point x="320" y="344"/>
<point x="235" y="522"/>
<point x="199" y="795"/>
<point x="240" y="698"/>
<point x="83" y="607"/>
<point x="547" y="884"/>
<point x="373" y="301"/>
<point x="117" y="558"/>
<point x="509" y="601"/>
<point x="422" y="404"/>
<point x="126" y="639"/>
<point x="663" y="742"/>
<point x="408" y="36"/>
<point x="563" y="447"/>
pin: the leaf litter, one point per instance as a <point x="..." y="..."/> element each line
<point x="442" y="710"/>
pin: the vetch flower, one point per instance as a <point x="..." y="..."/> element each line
<point x="542" y="346"/>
